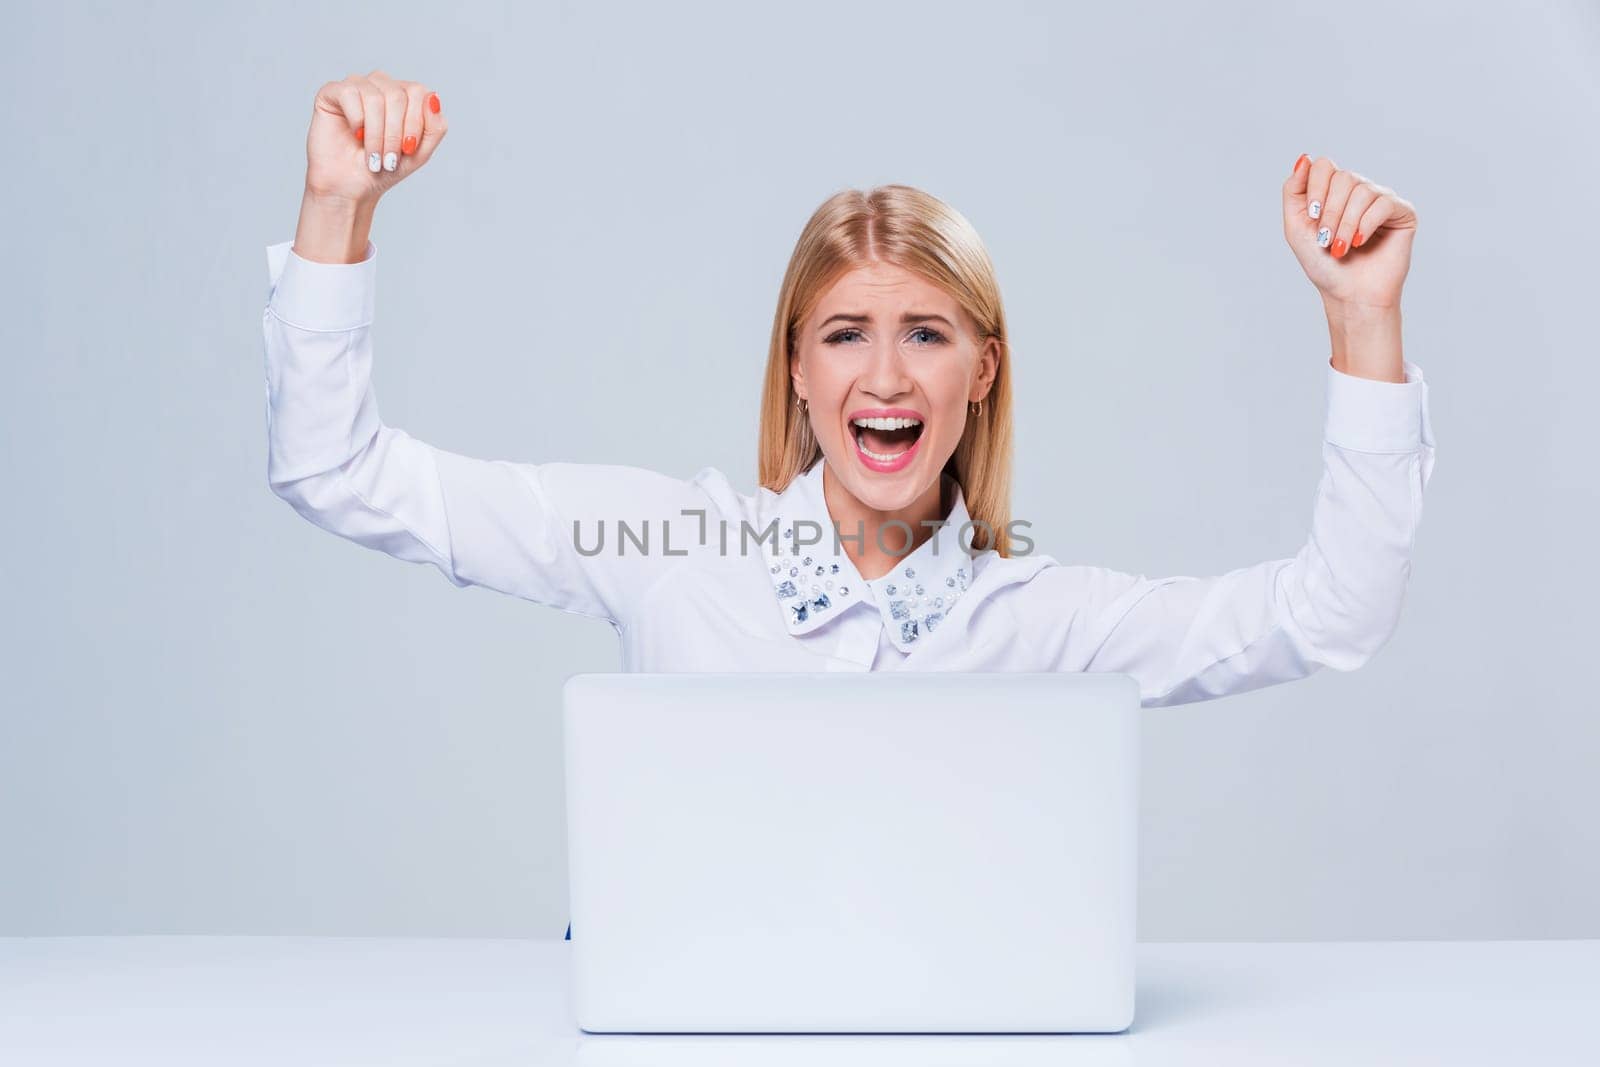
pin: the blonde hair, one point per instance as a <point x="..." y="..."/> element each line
<point x="918" y="232"/>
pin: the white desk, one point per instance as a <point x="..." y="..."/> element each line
<point x="225" y="1001"/>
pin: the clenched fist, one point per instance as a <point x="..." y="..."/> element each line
<point x="1352" y="236"/>
<point x="368" y="132"/>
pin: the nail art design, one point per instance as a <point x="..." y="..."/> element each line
<point x="1324" y="235"/>
<point x="1315" y="209"/>
<point x="390" y="161"/>
<point x="374" y="163"/>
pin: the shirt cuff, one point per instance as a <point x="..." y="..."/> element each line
<point x="1368" y="415"/>
<point x="327" y="297"/>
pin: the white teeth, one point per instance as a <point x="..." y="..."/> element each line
<point x="886" y="424"/>
<point x="879" y="456"/>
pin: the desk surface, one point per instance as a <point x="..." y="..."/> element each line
<point x="396" y="1002"/>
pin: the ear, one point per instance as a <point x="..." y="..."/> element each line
<point x="988" y="368"/>
<point x="797" y="375"/>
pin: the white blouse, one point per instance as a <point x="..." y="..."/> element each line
<point x="697" y="576"/>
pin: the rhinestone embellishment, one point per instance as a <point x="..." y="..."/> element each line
<point x="807" y="592"/>
<point x="815" y="592"/>
<point x="915" y="609"/>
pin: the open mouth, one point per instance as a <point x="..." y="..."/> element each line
<point x="886" y="442"/>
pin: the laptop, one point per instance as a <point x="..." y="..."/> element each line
<point x="917" y="852"/>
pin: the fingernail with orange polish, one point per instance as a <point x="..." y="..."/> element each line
<point x="409" y="145"/>
<point x="1296" y="168"/>
<point x="433" y="103"/>
<point x="361" y="133"/>
<point x="1339" y="247"/>
<point x="1355" y="242"/>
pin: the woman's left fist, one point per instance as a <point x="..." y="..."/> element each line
<point x="1352" y="236"/>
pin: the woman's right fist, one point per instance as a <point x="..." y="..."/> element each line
<point x="367" y="133"/>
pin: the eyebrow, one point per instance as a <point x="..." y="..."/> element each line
<point x="910" y="316"/>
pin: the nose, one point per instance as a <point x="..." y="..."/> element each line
<point x="886" y="376"/>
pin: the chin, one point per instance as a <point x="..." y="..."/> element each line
<point x="884" y="490"/>
<point x="880" y="497"/>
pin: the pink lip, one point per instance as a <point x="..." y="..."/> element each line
<point x="885" y="413"/>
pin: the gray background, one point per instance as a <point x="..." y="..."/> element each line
<point x="221" y="719"/>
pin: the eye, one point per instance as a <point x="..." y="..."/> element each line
<point x="937" y="338"/>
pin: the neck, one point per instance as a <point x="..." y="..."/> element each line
<point x="850" y="515"/>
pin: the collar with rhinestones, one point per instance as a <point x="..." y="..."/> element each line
<point x="816" y="584"/>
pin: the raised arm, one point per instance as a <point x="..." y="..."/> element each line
<point x="509" y="526"/>
<point x="1338" y="600"/>
<point x="1334" y="603"/>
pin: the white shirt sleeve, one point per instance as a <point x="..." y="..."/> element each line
<point x="500" y="524"/>
<point x="1335" y="603"/>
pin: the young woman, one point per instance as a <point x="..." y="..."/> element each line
<point x="880" y="537"/>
